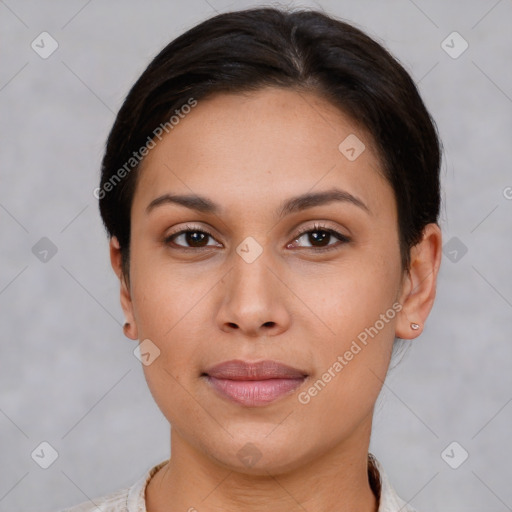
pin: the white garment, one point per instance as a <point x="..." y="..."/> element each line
<point x="132" y="499"/>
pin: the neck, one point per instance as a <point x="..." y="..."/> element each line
<point x="338" y="480"/>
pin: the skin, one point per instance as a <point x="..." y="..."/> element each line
<point x="294" y="304"/>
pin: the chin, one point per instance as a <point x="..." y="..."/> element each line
<point x="258" y="454"/>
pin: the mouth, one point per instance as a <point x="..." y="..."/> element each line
<point x="254" y="384"/>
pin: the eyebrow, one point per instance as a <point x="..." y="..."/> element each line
<point x="295" y="204"/>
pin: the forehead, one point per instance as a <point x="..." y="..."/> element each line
<point x="274" y="141"/>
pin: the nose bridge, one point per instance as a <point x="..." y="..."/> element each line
<point x="252" y="297"/>
<point x="251" y="278"/>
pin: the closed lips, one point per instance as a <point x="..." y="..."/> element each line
<point x="261" y="370"/>
<point x="254" y="384"/>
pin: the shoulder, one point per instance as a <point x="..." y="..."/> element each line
<point x="115" y="502"/>
<point x="128" y="499"/>
<point x="389" y="501"/>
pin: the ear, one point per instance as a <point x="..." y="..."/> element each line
<point x="418" y="289"/>
<point x="129" y="328"/>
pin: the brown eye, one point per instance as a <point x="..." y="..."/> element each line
<point x="319" y="237"/>
<point x="189" y="238"/>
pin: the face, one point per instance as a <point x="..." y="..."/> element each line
<point x="315" y="285"/>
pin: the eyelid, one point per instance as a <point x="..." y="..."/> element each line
<point x="185" y="229"/>
<point x="317" y="226"/>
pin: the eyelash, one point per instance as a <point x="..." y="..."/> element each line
<point x="316" y="227"/>
<point x="320" y="227"/>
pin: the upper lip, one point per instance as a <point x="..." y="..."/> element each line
<point x="260" y="370"/>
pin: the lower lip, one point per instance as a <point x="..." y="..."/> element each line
<point x="254" y="393"/>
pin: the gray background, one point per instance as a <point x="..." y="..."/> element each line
<point x="67" y="374"/>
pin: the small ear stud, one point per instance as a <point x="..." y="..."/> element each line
<point x="415" y="326"/>
<point x="126" y="326"/>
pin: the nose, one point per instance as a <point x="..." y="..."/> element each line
<point x="254" y="299"/>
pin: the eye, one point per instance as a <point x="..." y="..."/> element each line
<point x="319" y="237"/>
<point x="192" y="235"/>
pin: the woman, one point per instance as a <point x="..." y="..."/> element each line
<point x="270" y="189"/>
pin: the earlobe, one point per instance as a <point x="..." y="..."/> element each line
<point x="129" y="327"/>
<point x="419" y="287"/>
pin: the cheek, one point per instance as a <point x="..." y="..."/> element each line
<point x="165" y="297"/>
<point x="352" y="364"/>
<point x="169" y="308"/>
<point x="353" y="296"/>
<point x="172" y="374"/>
<point x="358" y="304"/>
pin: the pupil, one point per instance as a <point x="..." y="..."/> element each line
<point x="194" y="238"/>
<point x="322" y="237"/>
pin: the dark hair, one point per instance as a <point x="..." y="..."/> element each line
<point x="305" y="50"/>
